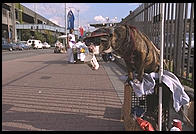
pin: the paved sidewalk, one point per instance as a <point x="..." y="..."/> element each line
<point x="46" y="93"/>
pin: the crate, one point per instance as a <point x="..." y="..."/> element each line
<point x="149" y="103"/>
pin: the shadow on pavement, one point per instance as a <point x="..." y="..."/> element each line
<point x="25" y="121"/>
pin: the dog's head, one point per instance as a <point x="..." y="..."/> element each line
<point x="107" y="39"/>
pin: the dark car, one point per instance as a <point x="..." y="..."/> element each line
<point x="8" y="46"/>
<point x="14" y="46"/>
<point x="22" y="46"/>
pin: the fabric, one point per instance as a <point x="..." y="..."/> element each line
<point x="148" y="83"/>
<point x="72" y="38"/>
<point x="70" y="55"/>
<point x="70" y="19"/>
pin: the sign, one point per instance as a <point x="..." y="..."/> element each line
<point x="70" y="19"/>
<point x="81" y="31"/>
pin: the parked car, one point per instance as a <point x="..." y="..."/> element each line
<point x="46" y="45"/>
<point x="8" y="46"/>
<point x="22" y="46"/>
<point x="14" y="46"/>
<point x="35" y="43"/>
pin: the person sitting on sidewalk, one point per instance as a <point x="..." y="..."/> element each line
<point x="82" y="50"/>
<point x="94" y="63"/>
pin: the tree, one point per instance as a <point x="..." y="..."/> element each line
<point x="39" y="36"/>
<point x="50" y="38"/>
<point x="26" y="34"/>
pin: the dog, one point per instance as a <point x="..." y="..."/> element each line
<point x="137" y="50"/>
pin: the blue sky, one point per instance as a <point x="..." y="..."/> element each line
<point x="89" y="12"/>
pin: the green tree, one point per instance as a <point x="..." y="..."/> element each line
<point x="50" y="38"/>
<point x="39" y="36"/>
<point x="26" y="34"/>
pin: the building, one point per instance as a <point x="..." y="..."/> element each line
<point x="16" y="17"/>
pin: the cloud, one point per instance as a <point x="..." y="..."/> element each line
<point x="55" y="12"/>
<point x="99" y="18"/>
<point x="56" y="20"/>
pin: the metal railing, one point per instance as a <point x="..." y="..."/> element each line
<point x="178" y="32"/>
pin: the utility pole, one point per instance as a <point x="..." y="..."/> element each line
<point x="65" y="21"/>
<point x="78" y="21"/>
<point x="14" y="38"/>
<point x="65" y="26"/>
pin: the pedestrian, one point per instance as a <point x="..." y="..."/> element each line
<point x="71" y="44"/>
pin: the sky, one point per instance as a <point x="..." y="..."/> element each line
<point x="89" y="13"/>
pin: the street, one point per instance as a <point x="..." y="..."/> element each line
<point x="7" y="55"/>
<point x="42" y="92"/>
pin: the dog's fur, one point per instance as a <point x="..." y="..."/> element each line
<point x="137" y="50"/>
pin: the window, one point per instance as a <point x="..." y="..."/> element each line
<point x="4" y="12"/>
<point x="10" y="15"/>
<point x="16" y="12"/>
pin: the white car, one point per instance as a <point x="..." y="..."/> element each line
<point x="35" y="43"/>
<point x="46" y="45"/>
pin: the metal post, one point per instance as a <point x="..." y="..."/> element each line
<point x="78" y="18"/>
<point x="78" y="23"/>
<point x="14" y="38"/>
<point x="65" y="21"/>
<point x="8" y="26"/>
<point x="161" y="65"/>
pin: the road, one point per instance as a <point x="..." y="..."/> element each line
<point x="7" y="55"/>
<point x="42" y="92"/>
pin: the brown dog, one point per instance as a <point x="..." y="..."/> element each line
<point x="137" y="50"/>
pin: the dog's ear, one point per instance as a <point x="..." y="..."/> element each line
<point x="120" y="31"/>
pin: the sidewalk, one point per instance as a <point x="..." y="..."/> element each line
<point x="50" y="94"/>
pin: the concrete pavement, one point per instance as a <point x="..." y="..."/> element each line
<point x="45" y="93"/>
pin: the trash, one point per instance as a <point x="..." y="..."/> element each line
<point x="138" y="111"/>
<point x="177" y="125"/>
<point x="145" y="125"/>
<point x="39" y="91"/>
